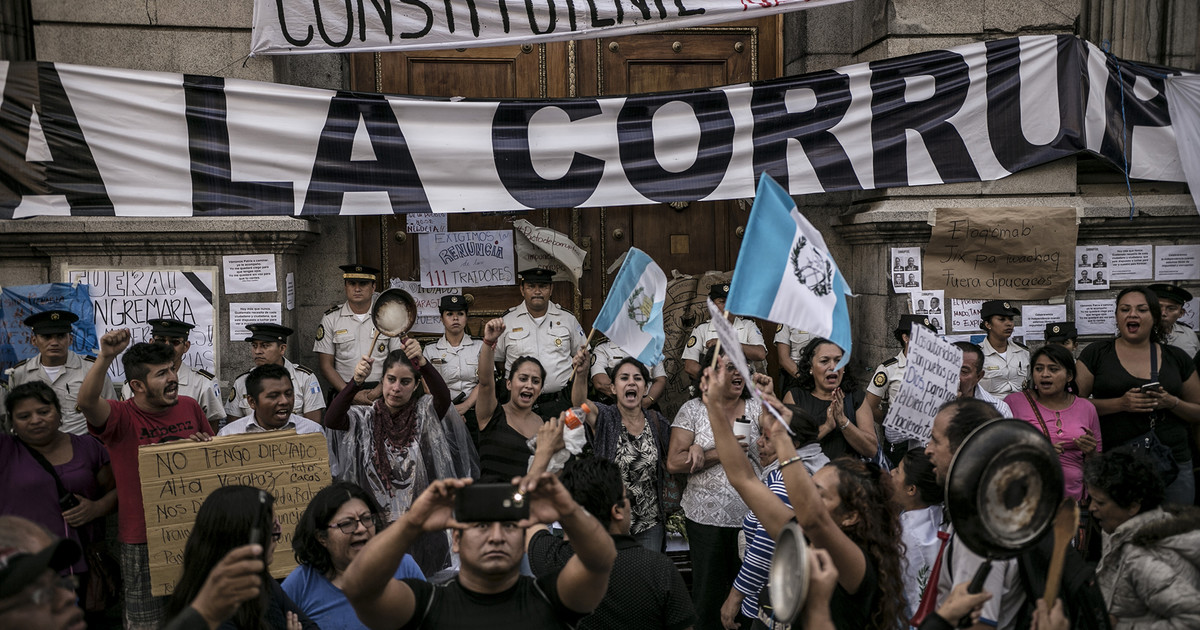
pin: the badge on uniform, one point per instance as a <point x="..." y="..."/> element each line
<point x="382" y="347"/>
<point x="691" y="341"/>
<point x="558" y="342"/>
<point x="320" y="334"/>
<point x="880" y="379"/>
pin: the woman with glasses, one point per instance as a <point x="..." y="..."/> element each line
<point x="229" y="518"/>
<point x="335" y="526"/>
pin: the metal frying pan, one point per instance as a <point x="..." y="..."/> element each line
<point x="394" y="313"/>
<point x="788" y="584"/>
<point x="1002" y="491"/>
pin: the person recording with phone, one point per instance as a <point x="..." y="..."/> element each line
<point x="487" y="524"/>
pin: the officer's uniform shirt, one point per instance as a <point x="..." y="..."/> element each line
<point x="348" y="336"/>
<point x="554" y="342"/>
<point x="200" y="385"/>
<point x="1003" y="375"/>
<point x="458" y="365"/>
<point x="66" y="384"/>
<point x="747" y="332"/>
<point x="1183" y="337"/>
<point x="304" y="384"/>
<point x="795" y="340"/>
<point x="608" y="354"/>
<point x="886" y="381"/>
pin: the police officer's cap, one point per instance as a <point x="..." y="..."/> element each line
<point x="1061" y="331"/>
<point x="359" y="272"/>
<point x="992" y="308"/>
<point x="169" y="328"/>
<point x="452" y="303"/>
<point x="906" y="323"/>
<point x="51" y="322"/>
<point x="718" y="291"/>
<point x="268" y="332"/>
<point x="1179" y="295"/>
<point x="537" y="275"/>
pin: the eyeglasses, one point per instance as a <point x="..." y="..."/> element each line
<point x="45" y="593"/>
<point x="171" y="341"/>
<point x="350" y="525"/>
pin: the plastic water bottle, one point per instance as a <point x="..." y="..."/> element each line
<point x="575" y="416"/>
<point x="573" y="433"/>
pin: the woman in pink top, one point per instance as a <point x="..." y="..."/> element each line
<point x="1069" y="421"/>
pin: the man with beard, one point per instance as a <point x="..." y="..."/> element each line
<point x="199" y="384"/>
<point x="155" y="414"/>
<point x="56" y="365"/>
<point x="268" y="345"/>
<point x="954" y="421"/>
<point x="269" y="389"/>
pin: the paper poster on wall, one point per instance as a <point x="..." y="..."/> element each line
<point x="927" y="302"/>
<point x="242" y="314"/>
<point x="965" y="315"/>
<point x="424" y="222"/>
<point x="1001" y="253"/>
<point x="467" y="259"/>
<point x="1191" y="314"/>
<point x="429" y="318"/>
<point x="1096" y="317"/>
<point x="547" y="249"/>
<point x="127" y="298"/>
<point x="1034" y="318"/>
<point x="1177" y="262"/>
<point x="1130" y="262"/>
<point x="1091" y="268"/>
<point x="905" y="270"/>
<point x="289" y="290"/>
<point x="249" y="274"/>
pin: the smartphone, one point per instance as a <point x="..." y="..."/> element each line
<point x="1152" y="387"/>
<point x="487" y="502"/>
<point x="67" y="501"/>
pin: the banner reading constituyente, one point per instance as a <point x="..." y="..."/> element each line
<point x="109" y="142"/>
<point x="315" y="26"/>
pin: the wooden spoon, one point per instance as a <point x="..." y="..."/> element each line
<point x="1065" y="524"/>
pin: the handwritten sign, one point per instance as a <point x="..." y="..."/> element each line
<point x="178" y="476"/>
<point x="424" y="222"/>
<point x="467" y="259"/>
<point x="128" y="298"/>
<point x="429" y="318"/>
<point x="930" y="379"/>
<point x="547" y="249"/>
<point x="1001" y="253"/>
<point x="965" y="315"/>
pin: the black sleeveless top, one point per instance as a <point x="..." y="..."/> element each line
<point x="503" y="453"/>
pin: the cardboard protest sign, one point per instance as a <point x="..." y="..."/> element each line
<point x="930" y="379"/>
<point x="178" y="476"/>
<point x="1001" y="253"/>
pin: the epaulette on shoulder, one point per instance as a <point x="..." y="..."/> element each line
<point x="511" y="310"/>
<point x="1183" y="325"/>
<point x="890" y="362"/>
<point x="333" y="308"/>
<point x="22" y="362"/>
<point x="1019" y="345"/>
<point x="206" y="374"/>
<point x="85" y="358"/>
<point x="301" y="368"/>
<point x="246" y="374"/>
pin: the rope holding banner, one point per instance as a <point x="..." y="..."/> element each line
<point x="1107" y="47"/>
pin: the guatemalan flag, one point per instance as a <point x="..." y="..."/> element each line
<point x="632" y="313"/>
<point x="785" y="273"/>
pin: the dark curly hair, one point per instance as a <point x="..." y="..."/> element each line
<point x="862" y="490"/>
<point x="140" y="356"/>
<point x="804" y="367"/>
<point x="706" y="360"/>
<point x="1156" y="331"/>
<point x="1127" y="477"/>
<point x="312" y="528"/>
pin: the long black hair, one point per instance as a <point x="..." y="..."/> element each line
<point x="313" y="525"/>
<point x="225" y="522"/>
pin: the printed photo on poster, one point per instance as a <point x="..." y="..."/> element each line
<point x="1130" y="262"/>
<point x="905" y="270"/>
<point x="1176" y="262"/>
<point x="931" y="303"/>
<point x="1096" y="317"/>
<point x="1091" y="268"/>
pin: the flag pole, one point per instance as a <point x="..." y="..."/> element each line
<point x="717" y="352"/>
<point x="590" y="335"/>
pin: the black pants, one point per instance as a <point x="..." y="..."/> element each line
<point x="715" y="565"/>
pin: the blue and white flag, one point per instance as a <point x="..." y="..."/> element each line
<point x="732" y="347"/>
<point x="632" y="313"/>
<point x="785" y="273"/>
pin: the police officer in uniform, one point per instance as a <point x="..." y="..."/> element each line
<point x="1173" y="301"/>
<point x="542" y="329"/>
<point x="200" y="385"/>
<point x="789" y="345"/>
<point x="346" y="331"/>
<point x="268" y="342"/>
<point x="605" y="357"/>
<point x="1005" y="362"/>
<point x="56" y="365"/>
<point x="1064" y="334"/>
<point x="455" y="354"/>
<point x="886" y="382"/>
<point x="705" y="335"/>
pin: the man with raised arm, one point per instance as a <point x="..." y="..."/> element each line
<point x="156" y="413"/>
<point x="489" y="591"/>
